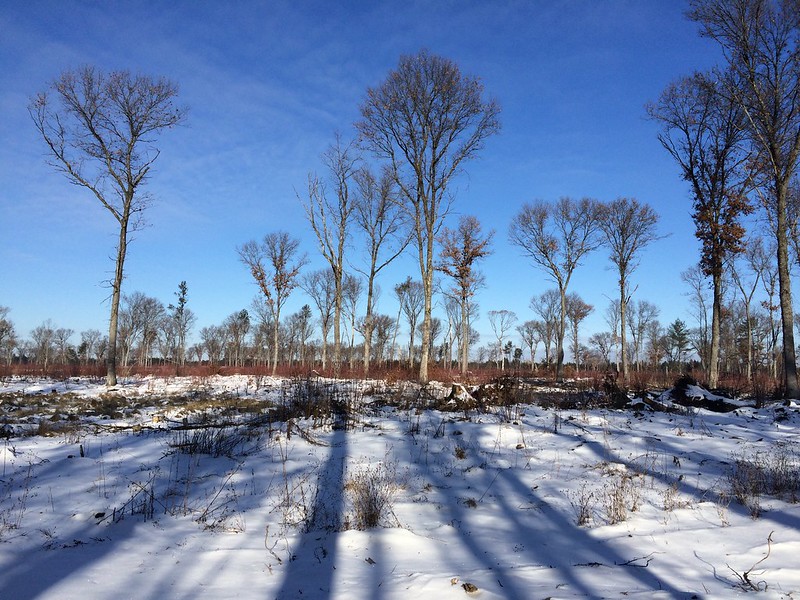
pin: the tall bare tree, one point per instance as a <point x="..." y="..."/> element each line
<point x="411" y="297"/>
<point x="427" y="119"/>
<point x="99" y="130"/>
<point x="275" y="265"/>
<point x="755" y="259"/>
<point x="628" y="226"/>
<point x="320" y="286"/>
<point x="556" y="236"/>
<point x="352" y="288"/>
<point x="461" y="249"/>
<point x="703" y="131"/>
<point x="384" y="225"/>
<point x="547" y="307"/>
<point x="329" y="214"/>
<point x="760" y="40"/>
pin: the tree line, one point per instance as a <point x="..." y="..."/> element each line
<point x="734" y="133"/>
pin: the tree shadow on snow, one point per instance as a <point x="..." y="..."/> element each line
<point x="310" y="571"/>
<point x="541" y="535"/>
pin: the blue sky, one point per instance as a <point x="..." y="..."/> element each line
<point x="268" y="84"/>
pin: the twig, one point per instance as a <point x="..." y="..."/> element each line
<point x="632" y="562"/>
<point x="744" y="578"/>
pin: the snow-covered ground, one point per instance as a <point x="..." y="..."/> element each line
<point x="131" y="501"/>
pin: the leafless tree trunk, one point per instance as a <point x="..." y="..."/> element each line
<point x="99" y="131"/>
<point x="529" y="333"/>
<point x="547" y="306"/>
<point x="411" y="296"/>
<point x="427" y="119"/>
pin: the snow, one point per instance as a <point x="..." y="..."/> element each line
<point x="482" y="504"/>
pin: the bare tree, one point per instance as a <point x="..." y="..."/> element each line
<point x="754" y="257"/>
<point x="90" y="340"/>
<point x="642" y="314"/>
<point x="352" y="289"/>
<point x="63" y="348"/>
<point x="43" y="338"/>
<point x="703" y="131"/>
<point x="213" y="343"/>
<point x="547" y="307"/>
<point x="8" y="337"/>
<point x="302" y="329"/>
<point x="236" y="326"/>
<point x="320" y="286"/>
<point x="760" y="42"/>
<point x="383" y="327"/>
<point x="577" y="311"/>
<point x="427" y="119"/>
<point x="556" y="237"/>
<point x="275" y="266"/>
<point x="529" y="333"/>
<point x="628" y="226"/>
<point x="411" y="296"/>
<point x="99" y="130"/>
<point x="603" y="342"/>
<point x="698" y="295"/>
<point x="379" y="216"/>
<point x="611" y="317"/>
<point x="139" y="318"/>
<point x="330" y="218"/>
<point x="461" y="249"/>
<point x="501" y="322"/>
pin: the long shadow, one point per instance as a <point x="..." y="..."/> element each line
<point x="36" y="570"/>
<point x="550" y="540"/>
<point x="310" y="571"/>
<point x="783" y="518"/>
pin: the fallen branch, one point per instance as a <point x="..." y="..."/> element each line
<point x="632" y="562"/>
<point x="744" y="578"/>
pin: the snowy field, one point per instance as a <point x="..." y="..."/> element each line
<point x="191" y="488"/>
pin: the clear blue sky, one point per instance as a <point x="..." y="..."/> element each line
<point x="268" y="83"/>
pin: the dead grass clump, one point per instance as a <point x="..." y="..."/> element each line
<point x="215" y="442"/>
<point x="372" y="491"/>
